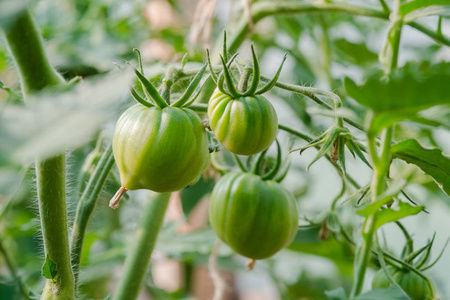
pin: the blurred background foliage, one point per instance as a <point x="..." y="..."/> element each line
<point x="83" y="38"/>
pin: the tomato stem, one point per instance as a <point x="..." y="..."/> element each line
<point x="141" y="247"/>
<point x="36" y="73"/>
<point x="251" y="264"/>
<point x="86" y="206"/>
<point x="114" y="203"/>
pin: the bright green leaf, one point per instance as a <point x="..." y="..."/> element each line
<point x="393" y="190"/>
<point x="337" y="294"/>
<point x="431" y="161"/>
<point x="49" y="270"/>
<point x="391" y="293"/>
<point x="420" y="8"/>
<point x="394" y="214"/>
<point x="406" y="91"/>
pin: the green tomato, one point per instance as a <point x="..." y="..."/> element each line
<point x="413" y="285"/>
<point x="162" y="150"/>
<point x="245" y="125"/>
<point x="256" y="218"/>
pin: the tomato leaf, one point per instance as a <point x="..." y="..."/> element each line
<point x="394" y="214"/>
<point x="192" y="195"/>
<point x="50" y="122"/>
<point x="406" y="91"/>
<point x="420" y="8"/>
<point x="393" y="190"/>
<point x="431" y="161"/>
<point x="49" y="269"/>
<point x="391" y="293"/>
<point x="337" y="294"/>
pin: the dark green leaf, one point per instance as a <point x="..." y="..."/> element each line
<point x="192" y="195"/>
<point x="49" y="270"/>
<point x="431" y="161"/>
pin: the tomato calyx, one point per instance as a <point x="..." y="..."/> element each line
<point x="260" y="167"/>
<point x="225" y="79"/>
<point x="154" y="98"/>
<point x="333" y="142"/>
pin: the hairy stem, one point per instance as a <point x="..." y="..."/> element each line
<point x="381" y="162"/>
<point x="141" y="247"/>
<point x="86" y="206"/>
<point x="26" y="46"/>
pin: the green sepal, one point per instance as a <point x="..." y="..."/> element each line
<point x="151" y="90"/>
<point x="357" y="149"/>
<point x="225" y="49"/>
<point x="437" y="259"/>
<point x="284" y="170"/>
<point x="240" y="163"/>
<point x="229" y="80"/>
<point x="139" y="99"/>
<point x="341" y="154"/>
<point x="256" y="169"/>
<point x="409" y="258"/>
<point x="273" y="172"/>
<point x="141" y="68"/>
<point x="191" y="88"/>
<point x="272" y="83"/>
<point x="211" y="69"/>
<point x="256" y="75"/>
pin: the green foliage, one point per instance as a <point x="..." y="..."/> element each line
<point x="49" y="269"/>
<point x="431" y="161"/>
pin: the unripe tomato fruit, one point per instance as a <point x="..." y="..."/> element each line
<point x="255" y="217"/>
<point x="245" y="125"/>
<point x="413" y="285"/>
<point x="162" y="150"/>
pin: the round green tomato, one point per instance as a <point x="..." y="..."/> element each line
<point x="413" y="285"/>
<point x="162" y="150"/>
<point x="256" y="218"/>
<point x="245" y="125"/>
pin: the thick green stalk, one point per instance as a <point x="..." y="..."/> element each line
<point x="141" y="248"/>
<point x="86" y="206"/>
<point x="51" y="180"/>
<point x="26" y="46"/>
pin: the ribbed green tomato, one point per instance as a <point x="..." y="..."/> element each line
<point x="162" y="150"/>
<point x="413" y="285"/>
<point x="245" y="125"/>
<point x="255" y="217"/>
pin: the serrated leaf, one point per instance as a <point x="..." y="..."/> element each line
<point x="391" y="293"/>
<point x="431" y="161"/>
<point x="420" y="8"/>
<point x="393" y="214"/>
<point x="392" y="191"/>
<point x="406" y="91"/>
<point x="354" y="53"/>
<point x="49" y="269"/>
